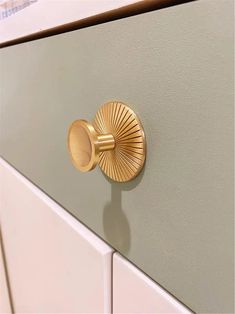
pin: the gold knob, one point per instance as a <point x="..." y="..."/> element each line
<point x="115" y="140"/>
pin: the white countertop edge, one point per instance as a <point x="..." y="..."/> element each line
<point x="46" y="14"/>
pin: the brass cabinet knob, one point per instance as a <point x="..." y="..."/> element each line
<point x="115" y="140"/>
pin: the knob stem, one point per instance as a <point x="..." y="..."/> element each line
<point x="105" y="142"/>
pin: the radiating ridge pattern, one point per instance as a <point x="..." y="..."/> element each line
<point x="126" y="160"/>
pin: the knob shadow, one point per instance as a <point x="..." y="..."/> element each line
<point x="115" y="221"/>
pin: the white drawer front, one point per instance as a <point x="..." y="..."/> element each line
<point x="134" y="292"/>
<point x="56" y="265"/>
<point x="5" y="304"/>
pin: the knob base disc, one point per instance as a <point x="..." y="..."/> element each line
<point x="125" y="161"/>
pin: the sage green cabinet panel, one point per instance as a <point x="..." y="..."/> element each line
<point x="175" y="68"/>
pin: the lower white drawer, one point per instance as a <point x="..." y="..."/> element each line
<point x="55" y="264"/>
<point x="5" y="303"/>
<point x="134" y="292"/>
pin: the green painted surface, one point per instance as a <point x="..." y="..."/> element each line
<point x="175" y="68"/>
